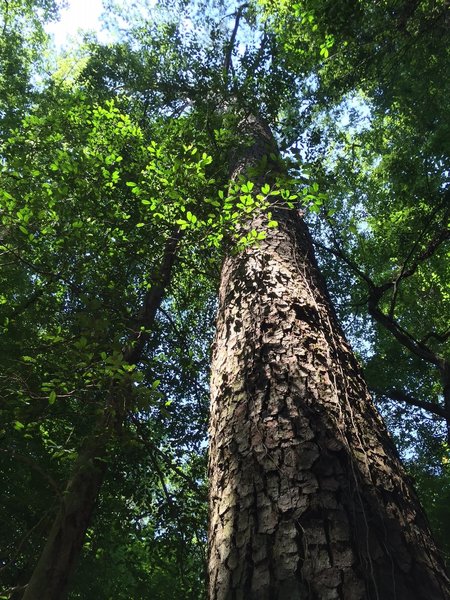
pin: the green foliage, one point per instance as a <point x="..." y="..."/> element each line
<point x="99" y="168"/>
<point x="77" y="264"/>
<point x="22" y="42"/>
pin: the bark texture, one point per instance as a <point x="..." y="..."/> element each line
<point x="308" y="499"/>
<point x="50" y="578"/>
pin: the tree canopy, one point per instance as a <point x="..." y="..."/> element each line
<point x="112" y="152"/>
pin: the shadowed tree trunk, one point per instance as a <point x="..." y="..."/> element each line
<point x="61" y="551"/>
<point x="308" y="499"/>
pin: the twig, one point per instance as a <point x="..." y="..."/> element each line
<point x="153" y="448"/>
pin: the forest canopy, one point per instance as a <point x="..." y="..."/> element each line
<point x="125" y="184"/>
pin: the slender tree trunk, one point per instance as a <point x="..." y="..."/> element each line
<point x="51" y="575"/>
<point x="308" y="499"/>
<point x="50" y="578"/>
<point x="445" y="370"/>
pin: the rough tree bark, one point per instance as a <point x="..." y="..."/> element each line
<point x="308" y="498"/>
<point x="50" y="578"/>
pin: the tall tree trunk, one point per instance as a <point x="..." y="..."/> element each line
<point x="308" y="499"/>
<point x="50" y="578"/>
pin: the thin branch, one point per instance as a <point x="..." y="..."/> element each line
<point x="154" y="449"/>
<point x="10" y="591"/>
<point x="52" y="276"/>
<point x="171" y="504"/>
<point x="34" y="465"/>
<point x="34" y="297"/>
<point x="152" y="299"/>
<point x="404" y="337"/>
<point x="440" y="237"/>
<point x="417" y="347"/>
<point x="24" y="539"/>
<point x="440" y="337"/>
<point x="260" y="54"/>
<point x="400" y="396"/>
<point x="161" y="480"/>
<point x="227" y="63"/>
<point x="339" y="253"/>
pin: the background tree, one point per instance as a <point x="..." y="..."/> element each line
<point x="82" y="304"/>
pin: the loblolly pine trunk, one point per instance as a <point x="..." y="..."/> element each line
<point x="308" y="499"/>
<point x="51" y="576"/>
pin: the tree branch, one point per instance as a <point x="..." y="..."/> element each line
<point x="440" y="337"/>
<point x="153" y="298"/>
<point x="439" y="238"/>
<point x="419" y="348"/>
<point x="23" y="540"/>
<point x="227" y="63"/>
<point x="154" y="449"/>
<point x="401" y="335"/>
<point x="34" y="465"/>
<point x="400" y="396"/>
<point x="339" y="253"/>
